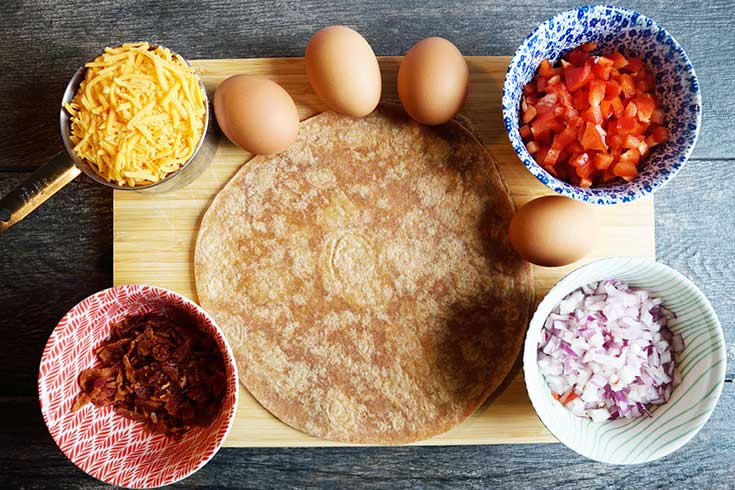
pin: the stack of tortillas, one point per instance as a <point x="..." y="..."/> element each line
<point x="364" y="277"/>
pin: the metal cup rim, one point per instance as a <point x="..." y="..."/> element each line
<point x="65" y="129"/>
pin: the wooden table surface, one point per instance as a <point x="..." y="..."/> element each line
<point x="62" y="252"/>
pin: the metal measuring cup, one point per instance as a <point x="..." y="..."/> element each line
<point x="66" y="165"/>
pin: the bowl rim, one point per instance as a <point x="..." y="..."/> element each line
<point x="529" y="349"/>
<point x="227" y="354"/>
<point x="581" y="193"/>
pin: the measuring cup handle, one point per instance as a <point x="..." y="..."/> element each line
<point x="41" y="185"/>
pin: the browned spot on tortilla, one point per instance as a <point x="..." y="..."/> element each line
<point x="365" y="279"/>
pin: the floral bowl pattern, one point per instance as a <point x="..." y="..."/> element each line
<point x="634" y="35"/>
<point x="108" y="446"/>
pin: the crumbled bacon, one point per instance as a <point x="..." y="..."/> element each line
<point x="162" y="371"/>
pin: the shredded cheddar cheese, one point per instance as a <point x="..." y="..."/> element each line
<point x="138" y="115"/>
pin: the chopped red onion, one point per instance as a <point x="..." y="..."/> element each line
<point x="607" y="351"/>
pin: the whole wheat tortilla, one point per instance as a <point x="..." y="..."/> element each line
<point x="364" y="278"/>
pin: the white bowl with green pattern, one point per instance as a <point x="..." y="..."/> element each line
<point x="701" y="365"/>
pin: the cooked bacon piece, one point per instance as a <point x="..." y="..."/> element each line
<point x="159" y="370"/>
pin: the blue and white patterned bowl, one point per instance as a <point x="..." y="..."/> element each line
<point x="701" y="365"/>
<point x="634" y="35"/>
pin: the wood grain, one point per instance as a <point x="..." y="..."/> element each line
<point x="48" y="263"/>
<point x="706" y="462"/>
<point x="62" y="252"/>
<point x="47" y="43"/>
<point x="154" y="239"/>
<point x="695" y="234"/>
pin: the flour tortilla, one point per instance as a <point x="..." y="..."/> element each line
<point x="364" y="278"/>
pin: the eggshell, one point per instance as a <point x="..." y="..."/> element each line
<point x="256" y="114"/>
<point x="553" y="230"/>
<point x="432" y="81"/>
<point x="343" y="71"/>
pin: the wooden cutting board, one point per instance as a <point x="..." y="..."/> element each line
<point x="154" y="238"/>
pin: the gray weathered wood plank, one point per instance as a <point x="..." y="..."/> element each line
<point x="706" y="462"/>
<point x="62" y="252"/>
<point x="695" y="229"/>
<point x="48" y="263"/>
<point x="46" y="41"/>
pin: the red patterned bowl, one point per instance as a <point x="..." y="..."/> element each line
<point x="108" y="446"/>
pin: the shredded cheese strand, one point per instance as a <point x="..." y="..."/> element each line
<point x="138" y="114"/>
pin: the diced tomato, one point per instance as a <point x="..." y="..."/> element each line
<point x="612" y="89"/>
<point x="625" y="170"/>
<point x="634" y="65"/>
<point x="638" y="128"/>
<point x="631" y="142"/>
<point x="577" y="56"/>
<point x="546" y="122"/>
<point x="562" y="94"/>
<point x="575" y="147"/>
<point x="597" y="92"/>
<point x="605" y="109"/>
<point x="585" y="182"/>
<point x="547" y="103"/>
<point x="592" y="119"/>
<point x="642" y="86"/>
<point x="660" y="134"/>
<point x="525" y="131"/>
<point x="630" y="110"/>
<point x="617" y="106"/>
<point x="626" y="124"/>
<point x="593" y="114"/>
<point x="632" y="156"/>
<point x="562" y="139"/>
<point x="627" y="85"/>
<point x="577" y="76"/>
<point x="593" y="137"/>
<point x="580" y="100"/>
<point x="551" y="156"/>
<point x="546" y="70"/>
<point x="543" y="138"/>
<point x="604" y="60"/>
<point x="586" y="170"/>
<point x="555" y="395"/>
<point x="541" y="84"/>
<point x="608" y="175"/>
<point x="602" y="160"/>
<point x="646" y="105"/>
<point x="541" y="155"/>
<point x="618" y="59"/>
<point x="529" y="115"/>
<point x="615" y="141"/>
<point x="601" y="71"/>
<point x="579" y="160"/>
<point x="568" y="114"/>
<point x="576" y="122"/>
<point x="657" y="116"/>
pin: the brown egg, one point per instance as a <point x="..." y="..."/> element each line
<point x="343" y="71"/>
<point x="553" y="230"/>
<point x="256" y="114"/>
<point x="432" y="81"/>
